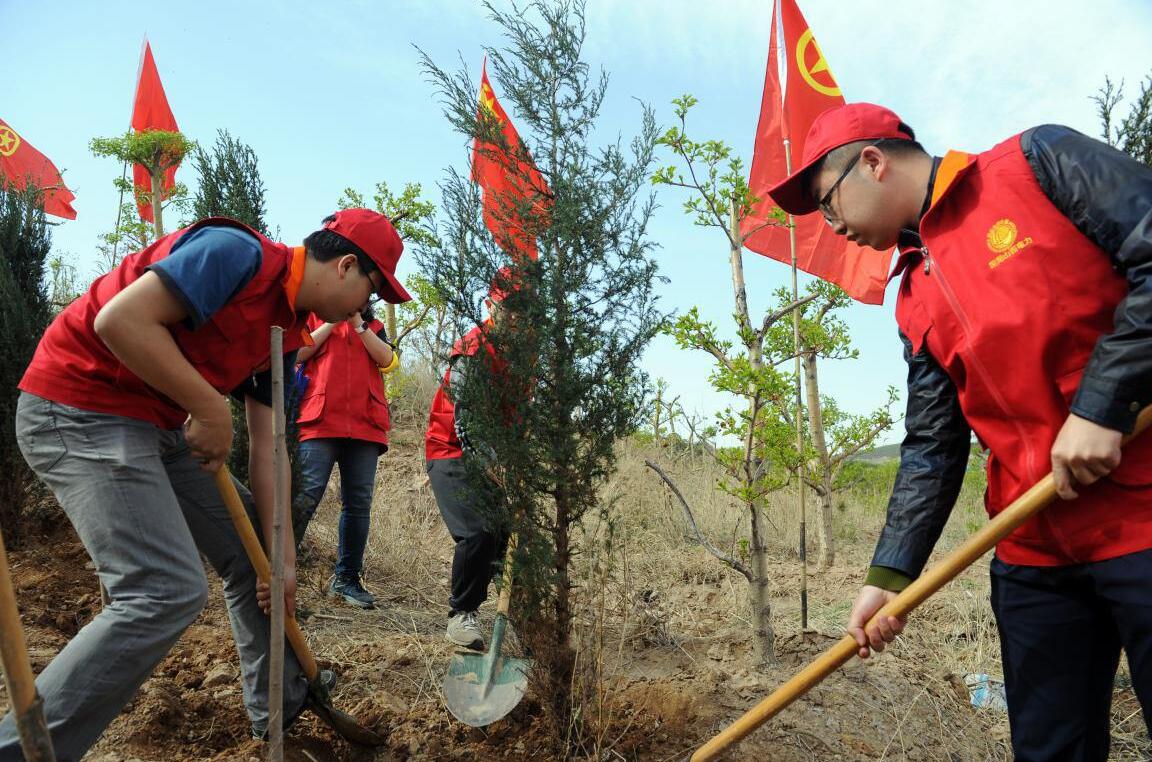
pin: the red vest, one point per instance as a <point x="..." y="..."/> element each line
<point x="441" y="441"/>
<point x="74" y="367"/>
<point x="345" y="397"/>
<point x="1010" y="300"/>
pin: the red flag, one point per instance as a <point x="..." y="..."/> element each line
<point x="515" y="193"/>
<point x="811" y="90"/>
<point x="151" y="112"/>
<point x="21" y="163"/>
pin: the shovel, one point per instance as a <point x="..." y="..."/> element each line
<point x="318" y="699"/>
<point x="27" y="707"/>
<point x="1023" y="508"/>
<point x="482" y="688"/>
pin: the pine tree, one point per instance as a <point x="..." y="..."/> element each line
<point x="230" y="186"/>
<point x="573" y="328"/>
<point x="25" y="309"/>
<point x="1133" y="133"/>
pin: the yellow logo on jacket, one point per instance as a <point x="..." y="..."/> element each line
<point x="1002" y="241"/>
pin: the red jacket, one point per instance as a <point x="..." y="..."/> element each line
<point x="441" y="441"/>
<point x="345" y="396"/>
<point x="1009" y="299"/>
<point x="73" y="366"/>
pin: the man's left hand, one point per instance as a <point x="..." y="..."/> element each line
<point x="1083" y="453"/>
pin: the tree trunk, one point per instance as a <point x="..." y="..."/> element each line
<point x="759" y="602"/>
<point x="656" y="415"/>
<point x="157" y="197"/>
<point x="827" y="553"/>
<point x="563" y="661"/>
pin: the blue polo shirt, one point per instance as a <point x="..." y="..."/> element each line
<point x="207" y="268"/>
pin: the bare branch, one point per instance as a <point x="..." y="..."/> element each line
<point x="772" y="317"/>
<point x="726" y="559"/>
<point x="412" y="324"/>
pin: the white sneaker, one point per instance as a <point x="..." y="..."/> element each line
<point x="464" y="631"/>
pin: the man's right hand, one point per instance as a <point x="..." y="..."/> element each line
<point x="876" y="636"/>
<point x="209" y="434"/>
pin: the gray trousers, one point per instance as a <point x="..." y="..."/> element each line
<point x="145" y="512"/>
<point x="468" y="507"/>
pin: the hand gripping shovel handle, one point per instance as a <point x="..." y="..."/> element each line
<point x="320" y="704"/>
<point x="1022" y="509"/>
<point x="263" y="569"/>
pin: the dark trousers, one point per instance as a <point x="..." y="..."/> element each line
<point x="357" y="460"/>
<point x="1061" y="631"/>
<point x="468" y="506"/>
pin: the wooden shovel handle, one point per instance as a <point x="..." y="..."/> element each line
<point x="505" y="600"/>
<point x="26" y="706"/>
<point x="1022" y="509"/>
<point x="263" y="569"/>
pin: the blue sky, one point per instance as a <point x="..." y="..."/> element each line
<point x="330" y="95"/>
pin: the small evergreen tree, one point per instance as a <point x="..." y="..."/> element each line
<point x="230" y="183"/>
<point x="1133" y="133"/>
<point x="25" y="309"/>
<point x="573" y="326"/>
<point x="230" y="186"/>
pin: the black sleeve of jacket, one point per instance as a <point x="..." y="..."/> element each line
<point x="1108" y="196"/>
<point x="933" y="457"/>
<point x="461" y="366"/>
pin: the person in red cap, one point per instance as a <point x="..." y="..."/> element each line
<point x="1025" y="310"/>
<point x="123" y="415"/>
<point x="466" y="503"/>
<point x="344" y="420"/>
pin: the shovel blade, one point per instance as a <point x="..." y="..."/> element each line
<point x="478" y="692"/>
<point x="343" y="723"/>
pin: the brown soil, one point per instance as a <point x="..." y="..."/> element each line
<point x="676" y="666"/>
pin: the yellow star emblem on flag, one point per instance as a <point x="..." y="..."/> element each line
<point x="488" y="99"/>
<point x="9" y="141"/>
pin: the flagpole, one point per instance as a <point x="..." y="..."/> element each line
<point x="799" y="415"/>
<point x="799" y="373"/>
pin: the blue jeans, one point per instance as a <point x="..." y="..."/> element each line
<point x="145" y="512"/>
<point x="357" y="460"/>
<point x="1061" y="631"/>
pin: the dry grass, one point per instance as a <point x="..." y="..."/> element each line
<point x="654" y="606"/>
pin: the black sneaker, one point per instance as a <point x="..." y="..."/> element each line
<point x="260" y="729"/>
<point x="352" y="591"/>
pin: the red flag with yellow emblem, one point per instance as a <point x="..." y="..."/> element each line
<point x="20" y="164"/>
<point x="786" y="113"/>
<point x="515" y="193"/>
<point x="150" y="111"/>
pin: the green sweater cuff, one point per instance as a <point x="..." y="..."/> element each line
<point x="887" y="578"/>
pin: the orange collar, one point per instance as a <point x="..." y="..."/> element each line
<point x="953" y="163"/>
<point x="295" y="275"/>
<point x="292" y="280"/>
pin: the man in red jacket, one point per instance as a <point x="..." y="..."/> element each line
<point x="123" y="416"/>
<point x="466" y="503"/>
<point x="1025" y="309"/>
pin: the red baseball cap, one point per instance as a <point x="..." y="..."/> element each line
<point x="374" y="234"/>
<point x="834" y="128"/>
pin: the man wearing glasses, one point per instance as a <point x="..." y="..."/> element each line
<point x="1025" y="309"/>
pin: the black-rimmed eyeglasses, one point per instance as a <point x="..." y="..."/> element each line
<point x="825" y="203"/>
